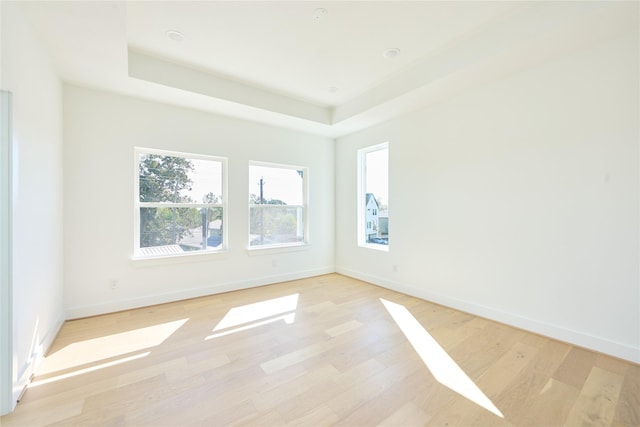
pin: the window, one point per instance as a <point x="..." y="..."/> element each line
<point x="180" y="203"/>
<point x="277" y="205"/>
<point x="373" y="196"/>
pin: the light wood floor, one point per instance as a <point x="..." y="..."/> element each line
<point x="320" y="351"/>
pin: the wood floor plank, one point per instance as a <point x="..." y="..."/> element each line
<point x="503" y="372"/>
<point x="514" y="401"/>
<point x="339" y="359"/>
<point x="269" y="418"/>
<point x="320" y="416"/>
<point x="461" y="411"/>
<point x="221" y="418"/>
<point x="292" y="358"/>
<point x="115" y="400"/>
<point x="550" y="407"/>
<point x="597" y="401"/>
<point x="627" y="412"/>
<point x="325" y="389"/>
<point x="28" y="416"/>
<point x="343" y="328"/>
<point x="576" y="367"/>
<point x="343" y="404"/>
<point x="408" y="414"/>
<point x="497" y="378"/>
<point x="290" y="390"/>
<point x="394" y="397"/>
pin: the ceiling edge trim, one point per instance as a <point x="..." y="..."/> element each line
<point x="144" y="67"/>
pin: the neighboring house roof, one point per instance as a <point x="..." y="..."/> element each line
<point x="369" y="197"/>
<point x="161" y="250"/>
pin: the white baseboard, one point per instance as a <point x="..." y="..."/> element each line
<point x="577" y="338"/>
<point x="130" y="303"/>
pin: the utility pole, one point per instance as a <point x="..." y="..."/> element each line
<point x="175" y="200"/>
<point x="205" y="226"/>
<point x="261" y="184"/>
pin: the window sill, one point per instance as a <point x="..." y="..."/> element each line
<point x="144" y="261"/>
<point x="266" y="250"/>
<point x="382" y="248"/>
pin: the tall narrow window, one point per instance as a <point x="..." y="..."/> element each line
<point x="373" y="196"/>
<point x="180" y="203"/>
<point x="277" y="205"/>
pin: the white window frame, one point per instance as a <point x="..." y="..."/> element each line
<point x="304" y="206"/>
<point x="138" y="151"/>
<point x="362" y="196"/>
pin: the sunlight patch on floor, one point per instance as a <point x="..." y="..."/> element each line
<point x="109" y="346"/>
<point x="288" y="319"/>
<point x="444" y="369"/>
<point x="257" y="314"/>
<point x="89" y="369"/>
<point x="257" y="311"/>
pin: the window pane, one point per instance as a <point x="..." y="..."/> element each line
<point x="375" y="163"/>
<point x="277" y="205"/>
<point x="166" y="231"/>
<point x="274" y="225"/>
<point x="172" y="179"/>
<point x="281" y="186"/>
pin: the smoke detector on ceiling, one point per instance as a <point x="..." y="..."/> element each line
<point x="391" y="53"/>
<point x="319" y="14"/>
<point x="174" y="35"/>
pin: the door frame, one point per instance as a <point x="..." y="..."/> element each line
<point x="7" y="372"/>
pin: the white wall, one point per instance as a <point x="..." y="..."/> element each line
<point x="37" y="192"/>
<point x="517" y="200"/>
<point x="101" y="131"/>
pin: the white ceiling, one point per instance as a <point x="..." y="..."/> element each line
<point x="281" y="47"/>
<point x="272" y="62"/>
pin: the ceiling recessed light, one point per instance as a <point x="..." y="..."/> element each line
<point x="391" y="53"/>
<point x="332" y="89"/>
<point x="319" y="14"/>
<point x="174" y="35"/>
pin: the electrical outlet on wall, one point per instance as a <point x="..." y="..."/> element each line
<point x="114" y="284"/>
